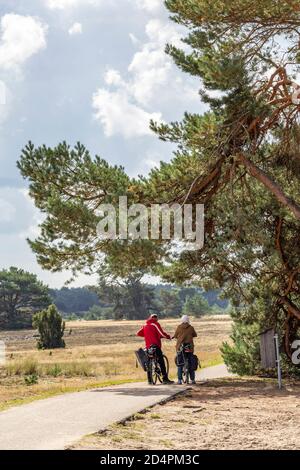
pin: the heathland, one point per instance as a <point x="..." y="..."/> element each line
<point x="97" y="353"/>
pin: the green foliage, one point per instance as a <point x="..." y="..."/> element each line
<point x="74" y="300"/>
<point x="128" y="298"/>
<point x="55" y="370"/>
<point x="31" y="379"/>
<point x="196" y="306"/>
<point x="169" y="301"/>
<point x="68" y="185"/>
<point x="242" y="353"/>
<point x="100" y="313"/>
<point x="21" y="295"/>
<point x="51" y="328"/>
<point x="132" y="299"/>
<point x="243" y="357"/>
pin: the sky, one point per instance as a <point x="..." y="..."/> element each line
<point x="93" y="71"/>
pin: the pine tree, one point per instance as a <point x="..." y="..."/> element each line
<point x="21" y="295"/>
<point x="51" y="328"/>
<point x="240" y="159"/>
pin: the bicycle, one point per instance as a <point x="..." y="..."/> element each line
<point x="186" y="350"/>
<point x="153" y="368"/>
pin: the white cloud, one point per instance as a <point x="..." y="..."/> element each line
<point x="5" y="101"/>
<point x="135" y="41"/>
<point x="150" y="67"/>
<point x="61" y="4"/>
<point x="7" y="211"/>
<point x="21" y="38"/>
<point x="17" y="212"/>
<point x="31" y="231"/>
<point x="65" y="4"/>
<point x="113" y="77"/>
<point x="76" y="28"/>
<point x="3" y="93"/>
<point x="151" y="6"/>
<point x="152" y="82"/>
<point x="119" y="116"/>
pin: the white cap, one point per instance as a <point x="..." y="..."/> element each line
<point x="185" y="319"/>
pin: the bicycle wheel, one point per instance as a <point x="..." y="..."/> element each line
<point x="152" y="373"/>
<point x="185" y="372"/>
<point x="159" y="374"/>
<point x="167" y="364"/>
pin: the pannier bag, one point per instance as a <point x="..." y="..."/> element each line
<point x="142" y="358"/>
<point x="195" y="363"/>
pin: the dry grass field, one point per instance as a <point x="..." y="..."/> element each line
<point x="97" y="353"/>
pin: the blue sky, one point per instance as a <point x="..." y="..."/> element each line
<point x="82" y="70"/>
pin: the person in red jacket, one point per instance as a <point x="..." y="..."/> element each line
<point x="152" y="332"/>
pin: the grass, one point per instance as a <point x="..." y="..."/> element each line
<point x="98" y="353"/>
<point x="26" y="366"/>
<point x="155" y="416"/>
<point x="59" y="390"/>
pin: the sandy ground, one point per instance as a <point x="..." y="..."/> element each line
<point x="222" y="414"/>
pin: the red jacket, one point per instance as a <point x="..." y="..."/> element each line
<point x="152" y="332"/>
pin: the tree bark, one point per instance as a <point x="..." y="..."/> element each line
<point x="271" y="185"/>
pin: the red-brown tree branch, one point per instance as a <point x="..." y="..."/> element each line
<point x="292" y="308"/>
<point x="271" y="185"/>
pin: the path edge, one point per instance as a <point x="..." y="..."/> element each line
<point x="131" y="417"/>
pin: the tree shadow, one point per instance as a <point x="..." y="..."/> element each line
<point x="225" y="389"/>
<point x="157" y="390"/>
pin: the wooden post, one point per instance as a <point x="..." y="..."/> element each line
<point x="269" y="352"/>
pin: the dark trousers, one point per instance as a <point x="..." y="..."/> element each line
<point x="162" y="365"/>
<point x="191" y="371"/>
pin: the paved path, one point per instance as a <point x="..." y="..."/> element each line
<point x="214" y="372"/>
<point x="58" y="422"/>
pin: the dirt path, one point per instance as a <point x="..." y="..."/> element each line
<point x="57" y="422"/>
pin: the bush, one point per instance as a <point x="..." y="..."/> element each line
<point x="54" y="371"/>
<point x="243" y="357"/>
<point x="31" y="379"/>
<point x="51" y="328"/>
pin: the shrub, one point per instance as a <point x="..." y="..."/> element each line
<point x="243" y="357"/>
<point x="51" y="328"/>
<point x="31" y="379"/>
<point x="54" y="371"/>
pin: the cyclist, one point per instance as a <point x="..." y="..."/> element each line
<point x="152" y="332"/>
<point x="185" y="334"/>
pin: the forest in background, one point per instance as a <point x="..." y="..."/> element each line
<point x="22" y="295"/>
<point x="167" y="300"/>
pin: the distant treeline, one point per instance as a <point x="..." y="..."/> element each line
<point x="74" y="300"/>
<point x="136" y="301"/>
<point x="22" y="295"/>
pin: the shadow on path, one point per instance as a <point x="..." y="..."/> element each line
<point x="157" y="390"/>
